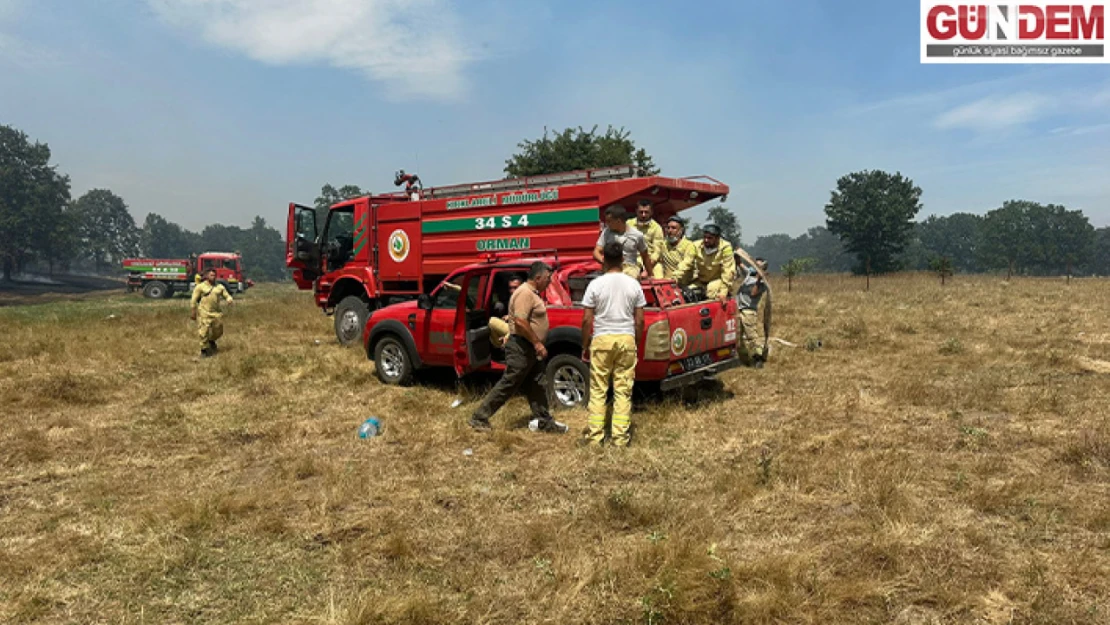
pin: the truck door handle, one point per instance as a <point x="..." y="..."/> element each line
<point x="412" y="322"/>
<point x="704" y="312"/>
<point x="706" y="324"/>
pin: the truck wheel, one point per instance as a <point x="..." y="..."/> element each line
<point x="569" y="380"/>
<point x="155" y="290"/>
<point x="392" y="362"/>
<point x="350" y="318"/>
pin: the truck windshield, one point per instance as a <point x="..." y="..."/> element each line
<point x="448" y="295"/>
<point x="339" y="233"/>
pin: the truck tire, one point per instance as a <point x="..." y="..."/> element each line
<point x="568" y="382"/>
<point x="350" y="319"/>
<point x="392" y="362"/>
<point x="155" y="289"/>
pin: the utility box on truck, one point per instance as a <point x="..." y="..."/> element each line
<point x="381" y="249"/>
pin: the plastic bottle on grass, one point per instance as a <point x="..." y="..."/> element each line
<point x="369" y="428"/>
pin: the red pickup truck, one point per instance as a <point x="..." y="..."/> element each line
<point x="683" y="342"/>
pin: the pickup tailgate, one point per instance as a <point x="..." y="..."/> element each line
<point x="701" y="340"/>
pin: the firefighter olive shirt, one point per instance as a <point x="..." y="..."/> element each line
<point x="526" y="304"/>
<point x="207" y="298"/>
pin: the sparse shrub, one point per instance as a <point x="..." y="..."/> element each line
<point x="951" y="347"/>
<point x="853" y="328"/>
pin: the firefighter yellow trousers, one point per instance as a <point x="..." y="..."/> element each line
<point x="752" y="331"/>
<point x="209" y="328"/>
<point x="612" y="361"/>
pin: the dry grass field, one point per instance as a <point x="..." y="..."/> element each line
<point x="942" y="457"/>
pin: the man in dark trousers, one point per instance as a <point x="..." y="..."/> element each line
<point x="524" y="356"/>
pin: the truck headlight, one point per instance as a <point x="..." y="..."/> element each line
<point x="657" y="344"/>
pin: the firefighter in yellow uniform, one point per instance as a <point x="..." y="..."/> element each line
<point x="653" y="235"/>
<point x="207" y="311"/>
<point x="678" y="253"/>
<point x="714" y="266"/>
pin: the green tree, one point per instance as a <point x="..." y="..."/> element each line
<point x="165" y="239"/>
<point x="263" y="250"/>
<point x="33" y="196"/>
<point x="54" y="236"/>
<point x="942" y="266"/>
<point x="796" y="267"/>
<point x="574" y="149"/>
<point x="1069" y="240"/>
<point x="105" y="228"/>
<point x="872" y="212"/>
<point x="955" y="236"/>
<point x="826" y="247"/>
<point x="1099" y="264"/>
<point x="776" y="249"/>
<point x="1029" y="237"/>
<point x="329" y="195"/>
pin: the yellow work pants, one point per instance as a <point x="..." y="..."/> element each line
<point x="632" y="271"/>
<point x="612" y="361"/>
<point x="209" y="328"/>
<point x="751" y="331"/>
<point x="715" y="288"/>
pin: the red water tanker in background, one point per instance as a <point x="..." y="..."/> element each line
<point x="160" y="278"/>
<point x="377" y="250"/>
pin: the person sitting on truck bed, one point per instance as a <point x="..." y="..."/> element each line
<point x="653" y="235"/>
<point x="632" y="242"/>
<point x="678" y="253"/>
<point x="714" y="266"/>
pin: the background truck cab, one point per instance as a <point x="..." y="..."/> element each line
<point x="683" y="342"/>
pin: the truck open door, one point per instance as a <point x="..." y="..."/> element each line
<point x="302" y="249"/>
<point x="473" y="349"/>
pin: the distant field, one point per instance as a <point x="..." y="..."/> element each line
<point x="943" y="457"/>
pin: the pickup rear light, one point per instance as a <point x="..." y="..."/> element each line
<point x="657" y="345"/>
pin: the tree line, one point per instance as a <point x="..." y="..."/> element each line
<point x="871" y="229"/>
<point x="43" y="229"/>
<point x="870" y="222"/>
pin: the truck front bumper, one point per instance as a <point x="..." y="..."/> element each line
<point x="697" y="375"/>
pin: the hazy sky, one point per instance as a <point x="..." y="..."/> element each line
<point x="218" y="110"/>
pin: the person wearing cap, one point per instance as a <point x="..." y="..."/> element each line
<point x="747" y="303"/>
<point x="653" y="234"/>
<point x="678" y="253"/>
<point x="632" y="242"/>
<point x="714" y="266"/>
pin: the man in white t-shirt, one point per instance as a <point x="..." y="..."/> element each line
<point x="612" y="328"/>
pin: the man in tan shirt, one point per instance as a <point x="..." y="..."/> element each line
<point x="525" y="353"/>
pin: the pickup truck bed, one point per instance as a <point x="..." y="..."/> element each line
<point x="683" y="343"/>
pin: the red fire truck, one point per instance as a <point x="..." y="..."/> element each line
<point x="683" y="342"/>
<point x="381" y="249"/>
<point x="162" y="277"/>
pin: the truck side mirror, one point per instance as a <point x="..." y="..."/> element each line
<point x="424" y="301"/>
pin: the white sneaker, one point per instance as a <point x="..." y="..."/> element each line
<point x="548" y="426"/>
